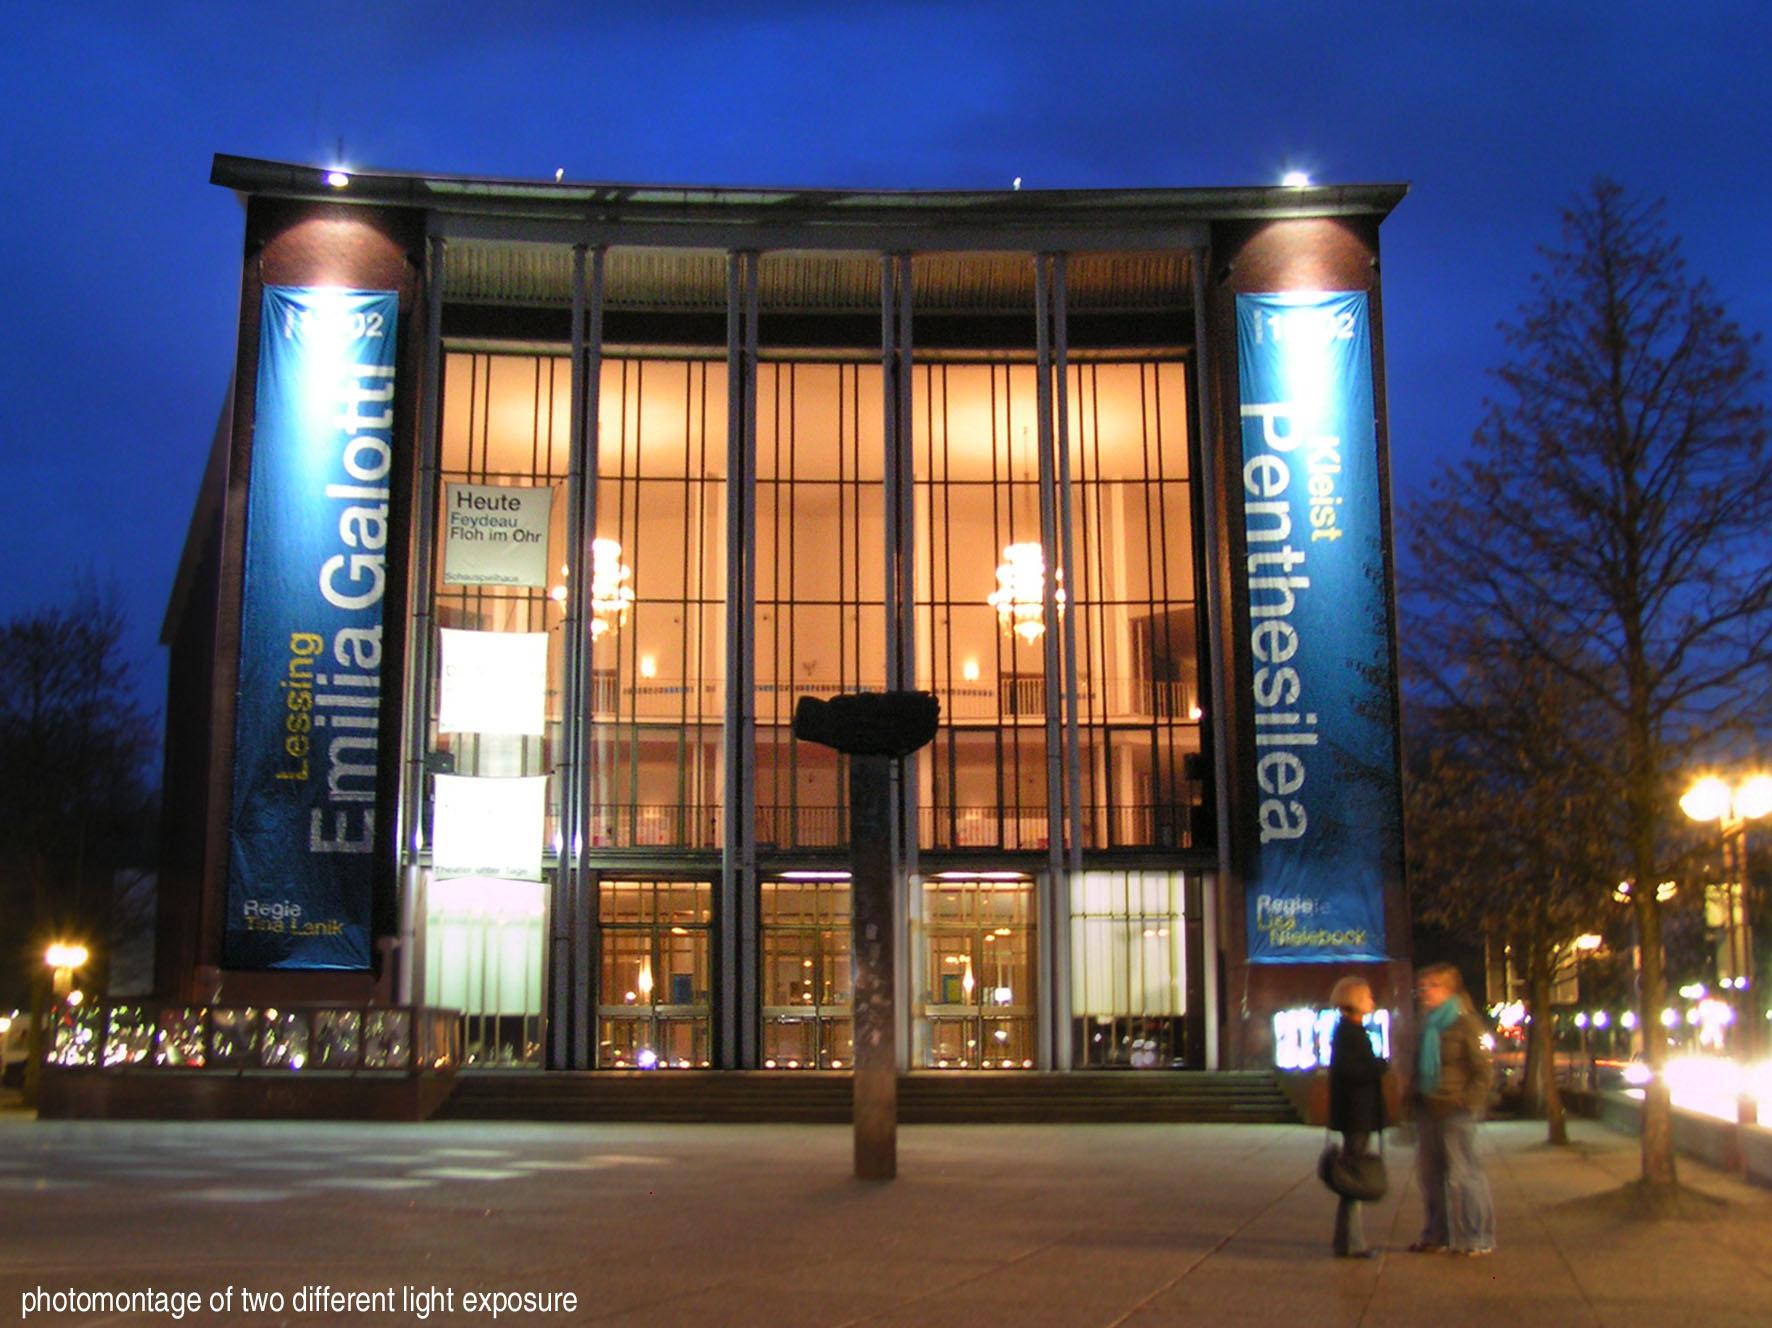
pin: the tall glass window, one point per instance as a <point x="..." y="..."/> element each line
<point x="653" y="996"/>
<point x="492" y="793"/>
<point x="975" y="1007"/>
<point x="1128" y="970"/>
<point x="980" y="574"/>
<point x="1139" y="700"/>
<point x="820" y="612"/>
<point x="806" y="1022"/>
<point x="658" y="600"/>
<point x="981" y="580"/>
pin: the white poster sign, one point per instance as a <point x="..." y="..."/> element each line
<point x="495" y="535"/>
<point x="492" y="682"/>
<point x="488" y="827"/>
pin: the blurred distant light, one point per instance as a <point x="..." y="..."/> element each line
<point x="337" y="179"/>
<point x="1296" y="179"/>
<point x="1706" y="800"/>
<point x="63" y="955"/>
<point x="1754" y="798"/>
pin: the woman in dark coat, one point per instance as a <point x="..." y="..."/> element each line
<point x="1356" y="1099"/>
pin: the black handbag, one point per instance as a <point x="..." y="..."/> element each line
<point x="1357" y="1176"/>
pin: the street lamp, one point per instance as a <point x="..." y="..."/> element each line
<point x="1713" y="799"/>
<point x="64" y="959"/>
<point x="1585" y="945"/>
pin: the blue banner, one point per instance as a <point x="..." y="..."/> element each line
<point x="301" y="861"/>
<point x="1323" y="769"/>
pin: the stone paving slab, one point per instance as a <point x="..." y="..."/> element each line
<point x="1139" y="1225"/>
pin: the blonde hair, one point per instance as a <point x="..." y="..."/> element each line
<point x="1340" y="995"/>
<point x="1447" y="973"/>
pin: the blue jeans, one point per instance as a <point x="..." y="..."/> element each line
<point x="1454" y="1188"/>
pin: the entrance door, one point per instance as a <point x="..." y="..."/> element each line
<point x="976" y="1006"/>
<point x="653" y="992"/>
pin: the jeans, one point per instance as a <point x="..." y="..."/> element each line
<point x="1454" y="1188"/>
<point x="1350" y="1232"/>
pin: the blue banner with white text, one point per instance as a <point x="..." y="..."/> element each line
<point x="301" y="862"/>
<point x="1323" y="768"/>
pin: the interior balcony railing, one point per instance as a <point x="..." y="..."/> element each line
<point x="654" y="825"/>
<point x="1017" y="697"/>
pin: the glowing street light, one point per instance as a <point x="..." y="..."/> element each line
<point x="64" y="958"/>
<point x="1732" y="807"/>
<point x="1713" y="799"/>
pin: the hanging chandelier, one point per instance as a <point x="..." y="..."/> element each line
<point x="611" y="596"/>
<point x="1020" y="596"/>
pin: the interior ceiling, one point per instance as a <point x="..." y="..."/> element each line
<point x="482" y="272"/>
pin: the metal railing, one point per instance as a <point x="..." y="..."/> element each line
<point x="354" y="1039"/>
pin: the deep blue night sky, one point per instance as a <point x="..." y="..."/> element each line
<point x="121" y="263"/>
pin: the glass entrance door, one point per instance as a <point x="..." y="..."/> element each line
<point x="976" y="989"/>
<point x="806" y="972"/>
<point x="653" y="997"/>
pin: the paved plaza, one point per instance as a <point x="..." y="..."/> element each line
<point x="662" y="1225"/>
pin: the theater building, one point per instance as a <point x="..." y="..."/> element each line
<point x="536" y="507"/>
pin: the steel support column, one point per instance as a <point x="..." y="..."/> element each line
<point x="415" y="707"/>
<point x="1054" y="893"/>
<point x="1208" y="637"/>
<point x="736" y="990"/>
<point x="896" y="368"/>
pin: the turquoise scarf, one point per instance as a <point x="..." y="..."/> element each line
<point x="1427" y="1063"/>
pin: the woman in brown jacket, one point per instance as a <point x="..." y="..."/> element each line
<point x="1451" y="1093"/>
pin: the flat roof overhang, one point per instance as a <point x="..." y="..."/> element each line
<point x="569" y="212"/>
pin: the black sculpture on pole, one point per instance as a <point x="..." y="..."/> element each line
<point x="873" y="729"/>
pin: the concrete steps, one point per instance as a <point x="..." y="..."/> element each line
<point x="824" y="1097"/>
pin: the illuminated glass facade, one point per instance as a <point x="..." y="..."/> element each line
<point x="767" y="453"/>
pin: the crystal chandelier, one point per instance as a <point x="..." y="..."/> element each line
<point x="611" y="596"/>
<point x="1019" y="598"/>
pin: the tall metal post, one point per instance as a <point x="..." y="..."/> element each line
<point x="871" y="947"/>
<point x="876" y="731"/>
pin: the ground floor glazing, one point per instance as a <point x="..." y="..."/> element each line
<point x="982" y="985"/>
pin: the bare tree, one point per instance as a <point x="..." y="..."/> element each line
<point x="1614" y="520"/>
<point x="74" y="746"/>
<point x="1509" y="837"/>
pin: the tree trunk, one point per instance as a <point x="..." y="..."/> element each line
<point x="1658" y="1115"/>
<point x="1541" y="1056"/>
